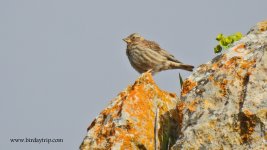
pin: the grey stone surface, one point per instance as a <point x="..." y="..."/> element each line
<point x="226" y="99"/>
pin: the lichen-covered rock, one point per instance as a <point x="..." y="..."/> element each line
<point x="224" y="102"/>
<point x="133" y="118"/>
<point x="223" y="106"/>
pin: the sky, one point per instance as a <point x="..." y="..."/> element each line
<point x="63" y="61"/>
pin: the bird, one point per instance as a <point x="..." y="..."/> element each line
<point x="147" y="56"/>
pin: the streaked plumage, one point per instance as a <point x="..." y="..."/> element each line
<point x="145" y="55"/>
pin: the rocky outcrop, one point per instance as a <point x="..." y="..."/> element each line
<point x="226" y="99"/>
<point x="134" y="117"/>
<point x="223" y="105"/>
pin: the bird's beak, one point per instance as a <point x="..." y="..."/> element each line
<point x="127" y="40"/>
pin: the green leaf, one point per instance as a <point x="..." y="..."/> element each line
<point x="217" y="49"/>
<point x="223" y="42"/>
<point x="181" y="80"/>
<point x="219" y="37"/>
<point x="235" y="38"/>
<point x="239" y="35"/>
<point x="228" y="40"/>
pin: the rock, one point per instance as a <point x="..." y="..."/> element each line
<point x="223" y="105"/>
<point x="226" y="99"/>
<point x="133" y="118"/>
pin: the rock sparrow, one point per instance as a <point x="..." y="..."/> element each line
<point x="145" y="55"/>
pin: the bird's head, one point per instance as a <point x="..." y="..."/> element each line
<point x="133" y="38"/>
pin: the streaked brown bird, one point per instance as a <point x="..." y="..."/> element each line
<point x="145" y="55"/>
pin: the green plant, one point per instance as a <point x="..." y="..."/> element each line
<point x="226" y="41"/>
<point x="181" y="80"/>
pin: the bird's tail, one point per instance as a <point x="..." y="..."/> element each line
<point x="181" y="66"/>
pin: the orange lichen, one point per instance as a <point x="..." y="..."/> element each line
<point x="208" y="104"/>
<point x="232" y="62"/>
<point x="262" y="26"/>
<point x="192" y="105"/>
<point x="211" y="77"/>
<point x="210" y="138"/>
<point x="245" y="68"/>
<point x="247" y="64"/>
<point x="213" y="123"/>
<point x="139" y="102"/>
<point x="248" y="113"/>
<point x="180" y="107"/>
<point x="203" y="68"/>
<point x="214" y="66"/>
<point x="188" y="85"/>
<point x="238" y="47"/>
<point x="222" y="85"/>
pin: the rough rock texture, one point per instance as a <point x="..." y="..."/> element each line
<point x="225" y="100"/>
<point x="223" y="105"/>
<point x="133" y="118"/>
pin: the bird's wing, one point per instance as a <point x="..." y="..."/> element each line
<point x="155" y="46"/>
<point x="168" y="56"/>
